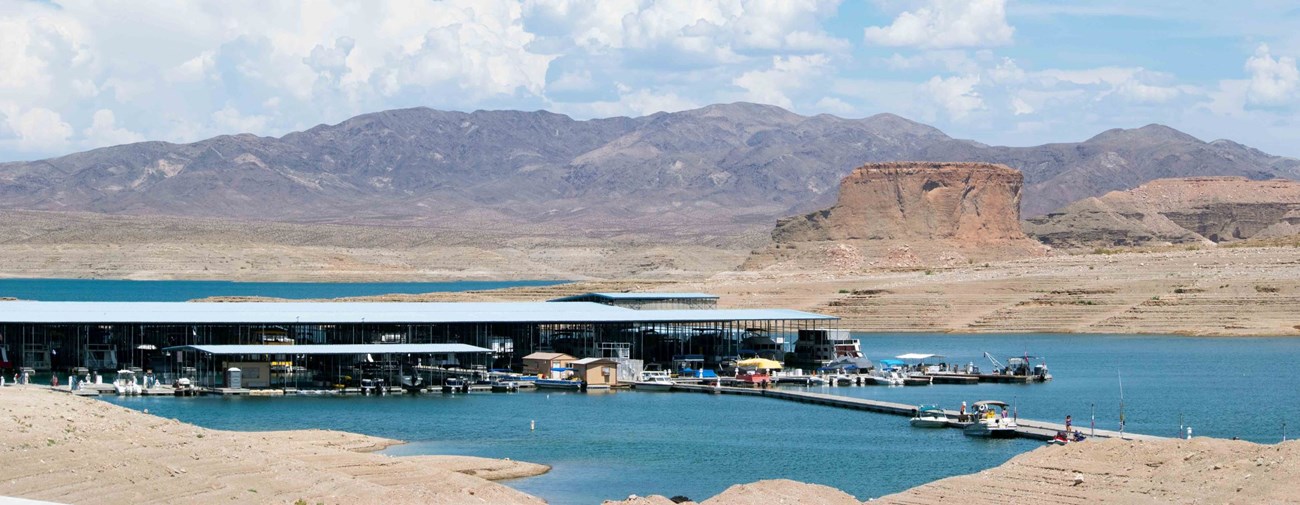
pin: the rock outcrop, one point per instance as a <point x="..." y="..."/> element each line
<point x="908" y="215"/>
<point x="1196" y="210"/>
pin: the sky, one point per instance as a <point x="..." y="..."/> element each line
<point x="82" y="74"/>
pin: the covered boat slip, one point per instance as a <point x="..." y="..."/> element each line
<point x="65" y="335"/>
<point x="281" y="365"/>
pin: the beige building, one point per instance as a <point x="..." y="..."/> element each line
<point x="541" y="363"/>
<point x="596" y="372"/>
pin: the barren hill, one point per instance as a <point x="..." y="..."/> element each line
<point x="720" y="169"/>
<point x="907" y="215"/>
<point x="1171" y="211"/>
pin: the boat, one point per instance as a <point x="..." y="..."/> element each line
<point x="564" y="384"/>
<point x="413" y="384"/>
<point x="761" y="346"/>
<point x="373" y="387"/>
<point x="504" y="386"/>
<point x="1062" y="438"/>
<point x="184" y="387"/>
<point x="929" y="416"/>
<point x="801" y="380"/>
<point x="818" y="348"/>
<point x="455" y="385"/>
<point x="1022" y="366"/>
<point x="990" y="421"/>
<point x="126" y="383"/>
<point x="654" y="380"/>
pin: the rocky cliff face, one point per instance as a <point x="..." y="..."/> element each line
<point x="1203" y="210"/>
<point x="907" y="214"/>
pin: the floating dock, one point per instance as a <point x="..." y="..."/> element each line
<point x="1028" y="428"/>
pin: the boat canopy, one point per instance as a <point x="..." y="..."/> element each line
<point x="930" y="408"/>
<point x="892" y="362"/>
<point x="918" y="356"/>
<point x="561" y="369"/>
<point x="760" y="363"/>
<point x="991" y="403"/>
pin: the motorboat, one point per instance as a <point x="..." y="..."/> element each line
<point x="654" y="380"/>
<point x="929" y="416"/>
<point x="126" y="383"/>
<point x="504" y="386"/>
<point x="564" y="384"/>
<point x="184" y="387"/>
<point x="413" y="384"/>
<point x="373" y="387"/>
<point x="801" y="380"/>
<point x="990" y="421"/>
<point x="1022" y="366"/>
<point x="455" y="385"/>
<point x="886" y="375"/>
<point x="762" y="346"/>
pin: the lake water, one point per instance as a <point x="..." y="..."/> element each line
<point x="82" y="290"/>
<point x="610" y="445"/>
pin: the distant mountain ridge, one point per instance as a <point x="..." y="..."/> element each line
<point x="725" y="167"/>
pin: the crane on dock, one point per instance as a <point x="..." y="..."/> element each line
<point x="997" y="365"/>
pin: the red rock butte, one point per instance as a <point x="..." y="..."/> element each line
<point x="908" y="214"/>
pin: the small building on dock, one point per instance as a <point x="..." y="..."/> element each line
<point x="541" y="363"/>
<point x="596" y="372"/>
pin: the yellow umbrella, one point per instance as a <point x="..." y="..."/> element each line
<point x="761" y="363"/>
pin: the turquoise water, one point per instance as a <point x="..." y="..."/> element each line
<point x="610" y="445"/>
<point x="79" y="290"/>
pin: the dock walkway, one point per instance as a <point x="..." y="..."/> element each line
<point x="1028" y="428"/>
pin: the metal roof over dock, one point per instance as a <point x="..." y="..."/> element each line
<point x="638" y="296"/>
<point x="316" y="349"/>
<point x="20" y="312"/>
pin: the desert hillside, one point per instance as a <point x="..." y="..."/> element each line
<point x="1200" y="210"/>
<point x="727" y="169"/>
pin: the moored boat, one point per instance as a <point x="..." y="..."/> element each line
<point x="929" y="416"/>
<point x="126" y="383"/>
<point x="564" y="384"/>
<point x="991" y="421"/>
<point x="654" y="380"/>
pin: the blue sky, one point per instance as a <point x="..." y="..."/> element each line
<point x="81" y="74"/>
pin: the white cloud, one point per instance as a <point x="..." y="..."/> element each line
<point x="1272" y="81"/>
<point x="943" y="24"/>
<point x="834" y="105"/>
<point x="104" y="131"/>
<point x="36" y="129"/>
<point x="772" y="85"/>
<point x="197" y="68"/>
<point x="232" y="121"/>
<point x="631" y="102"/>
<point x="956" y="95"/>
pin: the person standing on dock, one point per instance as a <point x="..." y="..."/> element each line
<point x="1068" y="422"/>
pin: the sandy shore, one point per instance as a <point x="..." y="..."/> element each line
<point x="67" y="449"/>
<point x="1194" y="471"/>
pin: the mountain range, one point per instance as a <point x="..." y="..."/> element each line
<point x="721" y="168"/>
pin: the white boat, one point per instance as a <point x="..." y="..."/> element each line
<point x="654" y="380"/>
<point x="126" y="383"/>
<point x="929" y="416"/>
<point x="991" y="421"/>
<point x="184" y="387"/>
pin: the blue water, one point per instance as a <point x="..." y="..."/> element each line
<point x="610" y="445"/>
<point x="70" y="290"/>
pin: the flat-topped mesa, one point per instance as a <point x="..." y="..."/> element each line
<point x="908" y="214"/>
<point x="916" y="200"/>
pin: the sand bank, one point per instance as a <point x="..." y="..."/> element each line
<point x="67" y="449"/>
<point x="1202" y="470"/>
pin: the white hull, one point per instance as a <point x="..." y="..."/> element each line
<point x="653" y="386"/>
<point x="922" y="422"/>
